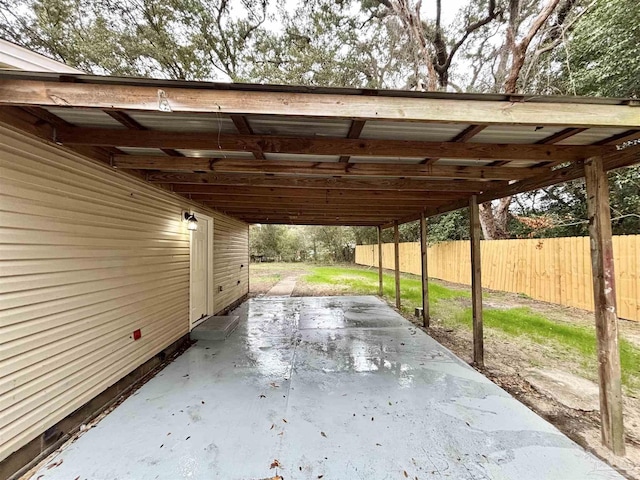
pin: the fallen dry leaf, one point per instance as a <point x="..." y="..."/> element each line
<point x="323" y="434"/>
<point x="274" y="385"/>
<point x="275" y="464"/>
<point x="55" y="464"/>
<point x="406" y="475"/>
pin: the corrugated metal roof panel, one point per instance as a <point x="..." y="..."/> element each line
<point x="301" y="158"/>
<point x="184" y="122"/>
<point x="514" y="134"/>
<point x="215" y="154"/>
<point x="298" y="127"/>
<point x="462" y="162"/>
<point x="399" y="160"/>
<point x="428" y="132"/>
<point x="592" y="135"/>
<point x="141" y="151"/>
<point x="85" y="118"/>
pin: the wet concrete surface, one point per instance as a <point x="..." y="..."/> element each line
<point x="322" y="387"/>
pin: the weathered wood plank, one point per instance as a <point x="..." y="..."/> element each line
<point x="229" y="165"/>
<point x="462" y="137"/>
<point x="283" y="202"/>
<point x="326" y="145"/>
<point x="164" y="97"/>
<point x="354" y="132"/>
<point x="132" y="124"/>
<point x="604" y="292"/>
<point x="242" y="125"/>
<point x="307" y="193"/>
<point x="310" y="183"/>
<point x="476" y="283"/>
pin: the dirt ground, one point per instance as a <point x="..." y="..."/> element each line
<point x="557" y="386"/>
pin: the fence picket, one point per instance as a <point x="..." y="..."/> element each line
<point x="556" y="270"/>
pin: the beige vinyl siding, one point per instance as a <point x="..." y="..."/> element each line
<point x="231" y="265"/>
<point x="87" y="256"/>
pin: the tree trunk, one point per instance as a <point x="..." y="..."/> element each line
<point x="494" y="220"/>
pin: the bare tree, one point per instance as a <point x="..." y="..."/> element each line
<point x="512" y="26"/>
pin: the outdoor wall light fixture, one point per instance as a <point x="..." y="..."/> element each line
<point x="192" y="221"/>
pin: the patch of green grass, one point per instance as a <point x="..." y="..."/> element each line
<point x="517" y="322"/>
<point x="524" y="322"/>
<point x="365" y="282"/>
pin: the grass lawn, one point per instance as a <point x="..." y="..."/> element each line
<point x="515" y="322"/>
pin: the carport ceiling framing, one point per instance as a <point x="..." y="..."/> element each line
<point x="298" y="155"/>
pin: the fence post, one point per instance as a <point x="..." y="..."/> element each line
<point x="380" y="289"/>
<point x="396" y="240"/>
<point x="476" y="282"/>
<point x="425" y="273"/>
<point x="604" y="294"/>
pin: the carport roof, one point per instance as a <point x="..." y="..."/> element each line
<point x="308" y="155"/>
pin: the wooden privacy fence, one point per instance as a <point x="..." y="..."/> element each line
<point x="556" y="270"/>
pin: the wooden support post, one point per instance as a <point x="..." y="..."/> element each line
<point x="476" y="282"/>
<point x="425" y="273"/>
<point x="380" y="289"/>
<point x="604" y="293"/>
<point x="396" y="240"/>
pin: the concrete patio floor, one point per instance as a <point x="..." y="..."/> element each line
<point x="325" y="387"/>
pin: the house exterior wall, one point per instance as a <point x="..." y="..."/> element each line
<point x="87" y="256"/>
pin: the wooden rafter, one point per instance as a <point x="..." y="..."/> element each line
<point x="550" y="140"/>
<point x="354" y="132"/>
<point x="325" y="146"/>
<point x="310" y="204"/>
<point x="242" y="125"/>
<point x="40" y="122"/>
<point x="312" y="183"/>
<point x="235" y="191"/>
<point x="132" y="124"/>
<point x="227" y="165"/>
<point x="462" y="137"/>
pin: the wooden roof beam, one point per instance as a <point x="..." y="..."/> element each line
<point x="44" y="124"/>
<point x="16" y="89"/>
<point x="313" y="183"/>
<point x="236" y="191"/>
<point x="324" y="145"/>
<point x="226" y="165"/>
<point x="551" y="139"/>
<point x="462" y="137"/>
<point x="261" y="201"/>
<point x="307" y="221"/>
<point x="242" y="125"/>
<point x="132" y="124"/>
